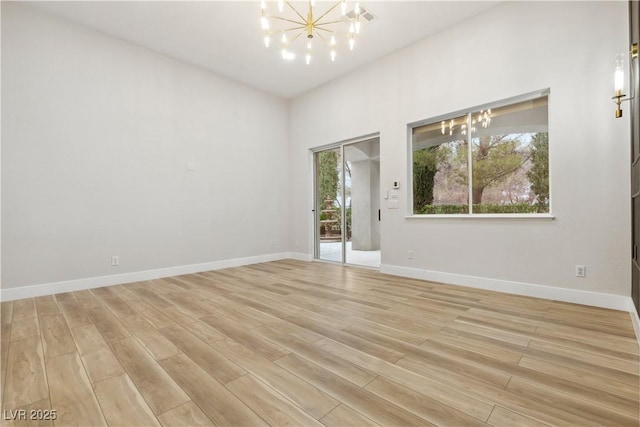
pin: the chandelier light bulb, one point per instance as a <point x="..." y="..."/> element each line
<point x="333" y="55"/>
<point x="309" y="44"/>
<point x="265" y="23"/>
<point x="308" y="58"/>
<point x="357" y="9"/>
<point x="333" y="40"/>
<point x="618" y="76"/>
<point x="343" y="7"/>
<point x="284" y="53"/>
<point x="280" y="5"/>
<point x="266" y="41"/>
<point x="263" y="4"/>
<point x="352" y="43"/>
<point x="357" y="27"/>
<point x="352" y="28"/>
<point x="284" y="38"/>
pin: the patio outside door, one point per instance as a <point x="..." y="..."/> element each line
<point x="347" y="203"/>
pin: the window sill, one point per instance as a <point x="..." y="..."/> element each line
<point x="484" y="216"/>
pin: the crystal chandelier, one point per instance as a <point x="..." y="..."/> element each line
<point x="334" y="26"/>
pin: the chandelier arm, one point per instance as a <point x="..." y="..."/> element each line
<point x="289" y="29"/>
<point x="297" y="13"/>
<point x="327" y="12"/>
<point x="297" y="35"/>
<point x="288" y="20"/>
<point x="324" y="40"/>
<point x="327" y="23"/>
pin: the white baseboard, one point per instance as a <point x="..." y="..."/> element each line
<point x="635" y="320"/>
<point x="10" y="294"/>
<point x="616" y="302"/>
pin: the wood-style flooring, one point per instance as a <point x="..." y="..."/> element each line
<point x="311" y="344"/>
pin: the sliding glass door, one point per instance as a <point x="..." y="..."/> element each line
<point x="328" y="205"/>
<point x="347" y="203"/>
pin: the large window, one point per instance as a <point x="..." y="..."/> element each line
<point x="490" y="160"/>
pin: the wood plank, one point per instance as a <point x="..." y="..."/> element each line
<point x="627" y="345"/>
<point x="109" y="326"/>
<point x="47" y="306"/>
<point x="343" y="415"/>
<point x="373" y="349"/>
<point x="221" y="368"/>
<point x="421" y="405"/>
<point x="71" y="392"/>
<point x="122" y="404"/>
<point x="97" y="357"/>
<point x="306" y="396"/>
<point x="362" y="400"/>
<point x="113" y="302"/>
<point x="187" y="414"/>
<point x="6" y="312"/>
<point x="582" y="410"/>
<point x="26" y="381"/>
<point x="56" y="337"/>
<point x="87" y="299"/>
<point x="158" y="389"/>
<point x="101" y="364"/>
<point x="206" y="333"/>
<point x="200" y="386"/>
<point x="25" y="328"/>
<point x="441" y="389"/>
<point x="320" y="357"/>
<point x="501" y="417"/>
<point x="24" y="308"/>
<point x="150" y="338"/>
<point x="4" y="356"/>
<point x="631" y="392"/>
<point x="268" y="404"/>
<point x="88" y="338"/>
<point x="74" y="312"/>
<point x="235" y="331"/>
<point x="597" y="359"/>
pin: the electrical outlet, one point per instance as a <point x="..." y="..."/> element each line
<point x="115" y="261"/>
<point x="410" y="254"/>
<point x="273" y="243"/>
<point x="581" y="271"/>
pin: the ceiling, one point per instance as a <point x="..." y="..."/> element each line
<point x="225" y="36"/>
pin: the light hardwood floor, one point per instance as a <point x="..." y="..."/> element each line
<point x="311" y="344"/>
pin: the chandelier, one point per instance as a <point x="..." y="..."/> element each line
<point x="329" y="28"/>
<point x="482" y="119"/>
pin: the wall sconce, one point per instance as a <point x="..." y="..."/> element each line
<point x="618" y="79"/>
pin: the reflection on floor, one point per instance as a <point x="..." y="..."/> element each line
<point x="332" y="251"/>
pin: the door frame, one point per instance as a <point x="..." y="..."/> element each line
<point x="314" y="205"/>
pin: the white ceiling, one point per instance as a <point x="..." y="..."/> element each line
<point x="225" y="36"/>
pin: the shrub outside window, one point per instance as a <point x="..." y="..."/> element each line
<point x="506" y="171"/>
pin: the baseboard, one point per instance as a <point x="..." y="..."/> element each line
<point x="10" y="294"/>
<point x="616" y="302"/>
<point x="635" y="320"/>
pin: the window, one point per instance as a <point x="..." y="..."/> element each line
<point x="489" y="160"/>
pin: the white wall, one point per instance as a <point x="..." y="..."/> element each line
<point x="96" y="135"/>
<point x="516" y="48"/>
